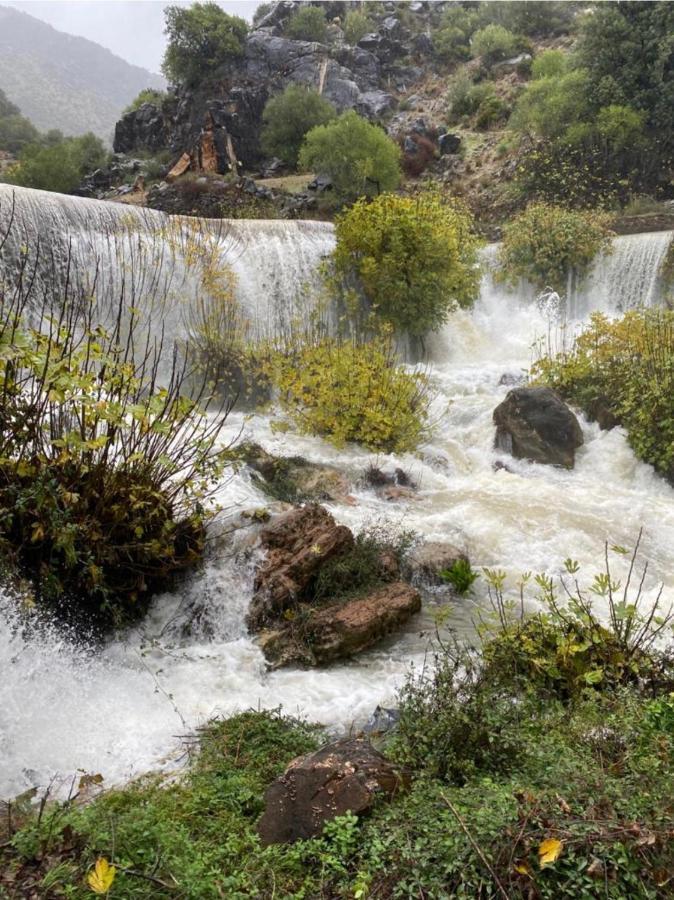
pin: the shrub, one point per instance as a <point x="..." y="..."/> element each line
<point x="460" y="575"/>
<point x="530" y="17"/>
<point x="56" y="163"/>
<point x="201" y="39"/>
<point x="289" y="117"/>
<point x="261" y="11"/>
<point x="416" y="162"/>
<point x="451" y="41"/>
<point x="493" y="44"/>
<point x="544" y="243"/>
<point x="147" y="95"/>
<point x="460" y="96"/>
<point x="346" y="391"/>
<point x="307" y="24"/>
<point x="549" y="64"/>
<point x="356" y="26"/>
<point x="551" y="105"/>
<point x="490" y="111"/>
<point x="414" y="258"/>
<point x="621" y="368"/>
<point x="15" y="130"/>
<point x="360" y="158"/>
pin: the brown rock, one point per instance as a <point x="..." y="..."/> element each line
<point x="340" y="630"/>
<point x="346" y="776"/>
<point x="298" y="543"/>
<point x="429" y="559"/>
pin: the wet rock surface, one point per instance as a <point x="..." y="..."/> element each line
<point x="346" y="776"/>
<point x="429" y="559"/>
<point x="534" y="423"/>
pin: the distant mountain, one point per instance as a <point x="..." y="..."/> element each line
<point x="65" y="82"/>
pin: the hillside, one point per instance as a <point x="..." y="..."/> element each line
<point x="65" y="82"/>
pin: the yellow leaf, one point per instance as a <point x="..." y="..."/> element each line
<point x="523" y="869"/>
<point x="100" y="880"/>
<point x="549" y="852"/>
<point x="38" y="533"/>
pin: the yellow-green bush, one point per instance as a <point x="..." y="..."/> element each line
<point x="348" y="391"/>
<point x="414" y="258"/>
<point x="545" y="242"/>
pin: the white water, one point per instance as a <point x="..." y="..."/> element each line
<point x="119" y="711"/>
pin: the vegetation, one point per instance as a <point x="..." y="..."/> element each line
<point x="307" y="24"/>
<point x="201" y="39"/>
<point x="544" y="243"/>
<point x="620" y="370"/>
<point x="460" y="575"/>
<point x="344" y="391"/>
<point x="15" y="130"/>
<point x="356" y="26"/>
<point x="360" y="159"/>
<point x="55" y="163"/>
<point x="287" y="119"/>
<point x="542" y="766"/>
<point x="147" y="95"/>
<point x="493" y="44"/>
<point x="413" y="258"/>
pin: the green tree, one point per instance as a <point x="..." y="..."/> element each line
<point x="58" y="164"/>
<point x="147" y="95"/>
<point x="289" y="116"/>
<point x="493" y="44"/>
<point x="414" y="258"/>
<point x="201" y="39"/>
<point x="451" y="41"/>
<point x="356" y="26"/>
<point x="549" y="64"/>
<point x="360" y="158"/>
<point x="15" y="130"/>
<point x="307" y="24"/>
<point x="551" y="105"/>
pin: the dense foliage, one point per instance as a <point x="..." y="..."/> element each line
<point x="147" y="95"/>
<point x="356" y="26"/>
<point x="520" y="787"/>
<point x="544" y="243"/>
<point x="55" y="163"/>
<point x="201" y="39"/>
<point x="493" y="44"/>
<point x="288" y="117"/>
<point x="307" y="23"/>
<point x="344" y="391"/>
<point x="413" y="258"/>
<point x="15" y="130"/>
<point x="360" y="158"/>
<point x="620" y="371"/>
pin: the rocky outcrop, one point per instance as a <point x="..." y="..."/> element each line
<point x="429" y="559"/>
<point x="298" y="544"/>
<point x="534" y="423"/>
<point x="346" y="776"/>
<point x="340" y="630"/>
<point x="293" y="479"/>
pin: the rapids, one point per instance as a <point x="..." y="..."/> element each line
<point x="121" y="710"/>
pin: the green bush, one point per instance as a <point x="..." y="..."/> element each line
<point x="201" y="39"/>
<point x="549" y="64"/>
<point x="356" y="26"/>
<point x="414" y="258"/>
<point x="56" y="163"/>
<point x="620" y="369"/>
<point x="451" y="41"/>
<point x="544" y="243"/>
<point x="551" y="105"/>
<point x="491" y="111"/>
<point x="147" y="95"/>
<point x="530" y="17"/>
<point x="288" y="117"/>
<point x="460" y="575"/>
<point x="493" y="44"/>
<point x="348" y="391"/>
<point x="307" y="23"/>
<point x="360" y="158"/>
<point x="15" y="130"/>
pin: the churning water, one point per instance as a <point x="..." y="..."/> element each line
<point x="120" y="710"/>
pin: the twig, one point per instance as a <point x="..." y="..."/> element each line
<point x="152" y="878"/>
<point x="475" y="846"/>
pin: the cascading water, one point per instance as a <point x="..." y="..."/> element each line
<point x="117" y="711"/>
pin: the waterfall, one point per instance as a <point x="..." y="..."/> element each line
<point x="117" y="710"/>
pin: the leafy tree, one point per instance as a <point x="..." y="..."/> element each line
<point x="530" y="17"/>
<point x="201" y="39"/>
<point x="493" y="44"/>
<point x="147" y="95"/>
<point x="15" y="130"/>
<point x="356" y="26"/>
<point x="551" y="105"/>
<point x="260" y="12"/>
<point x="360" y="158"/>
<point x="7" y="108"/>
<point x="289" y="116"/>
<point x="451" y="41"/>
<point x="543" y="243"/>
<point x="549" y="64"/>
<point x="414" y="258"/>
<point x="57" y="164"/>
<point x="307" y="24"/>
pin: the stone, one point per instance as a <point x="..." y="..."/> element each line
<point x="449" y="144"/>
<point x="320" y="183"/>
<point x="345" y="776"/>
<point x="374" y="104"/>
<point x="341" y="630"/>
<point x="309" y="481"/>
<point x="298" y="543"/>
<point x="534" y="423"/>
<point x="427" y="560"/>
<point x="383" y="720"/>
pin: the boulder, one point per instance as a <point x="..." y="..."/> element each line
<point x="449" y="144"/>
<point x="534" y="423"/>
<point x="346" y="776"/>
<point x="427" y="560"/>
<point x="292" y="478"/>
<point x="298" y="544"/>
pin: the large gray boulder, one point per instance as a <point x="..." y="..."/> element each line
<point x="347" y="776"/>
<point x="534" y="423"/>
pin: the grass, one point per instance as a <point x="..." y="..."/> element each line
<point x="292" y="184"/>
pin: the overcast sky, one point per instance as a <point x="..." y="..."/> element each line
<point x="133" y="29"/>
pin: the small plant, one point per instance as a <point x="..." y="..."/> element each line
<point x="307" y="23"/>
<point x="356" y="26"/>
<point x="460" y="575"/>
<point x="493" y="43"/>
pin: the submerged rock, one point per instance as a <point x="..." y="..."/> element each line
<point x="346" y="776"/>
<point x="292" y="478"/>
<point x="534" y="423"/>
<point x="429" y="559"/>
